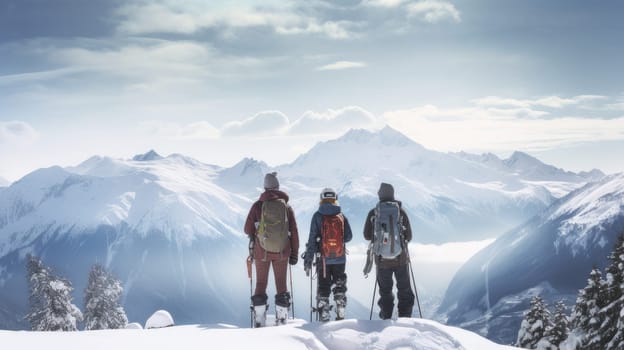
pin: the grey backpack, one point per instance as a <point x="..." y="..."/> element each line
<point x="388" y="232"/>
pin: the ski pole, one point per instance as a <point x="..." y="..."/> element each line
<point x="292" y="292"/>
<point x="311" y="307"/>
<point x="249" y="274"/>
<point x="415" y="290"/>
<point x="409" y="261"/>
<point x="370" y="317"/>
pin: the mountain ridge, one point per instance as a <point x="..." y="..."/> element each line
<point x="556" y="248"/>
<point x="155" y="220"/>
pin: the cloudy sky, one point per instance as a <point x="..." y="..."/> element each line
<point x="221" y="80"/>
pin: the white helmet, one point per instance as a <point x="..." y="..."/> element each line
<point x="328" y="193"/>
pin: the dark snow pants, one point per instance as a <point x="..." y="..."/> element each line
<point x="404" y="291"/>
<point x="280" y="268"/>
<point x="334" y="275"/>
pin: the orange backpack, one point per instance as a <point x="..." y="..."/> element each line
<point x="332" y="236"/>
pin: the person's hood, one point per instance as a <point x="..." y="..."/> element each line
<point x="386" y="192"/>
<point x="329" y="209"/>
<point x="269" y="195"/>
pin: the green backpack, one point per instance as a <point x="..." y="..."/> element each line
<point x="273" y="228"/>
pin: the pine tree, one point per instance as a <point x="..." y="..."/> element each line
<point x="611" y="314"/>
<point x="559" y="330"/>
<point x="534" y="324"/>
<point x="102" y="308"/>
<point x="617" y="341"/>
<point x="38" y="277"/>
<point x="585" y="318"/>
<point x="51" y="307"/>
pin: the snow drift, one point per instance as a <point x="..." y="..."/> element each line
<point x="340" y="335"/>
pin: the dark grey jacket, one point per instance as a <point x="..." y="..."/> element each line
<point x="369" y="234"/>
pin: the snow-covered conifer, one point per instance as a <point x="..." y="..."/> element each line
<point x="102" y="308"/>
<point x="585" y="318"/>
<point x="559" y="330"/>
<point x="611" y="313"/>
<point x="534" y="324"/>
<point x="51" y="307"/>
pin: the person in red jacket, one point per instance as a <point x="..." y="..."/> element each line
<point x="272" y="252"/>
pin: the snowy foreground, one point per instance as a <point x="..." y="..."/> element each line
<point x="297" y="334"/>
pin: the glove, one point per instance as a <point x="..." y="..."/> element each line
<point x="293" y="260"/>
<point x="307" y="266"/>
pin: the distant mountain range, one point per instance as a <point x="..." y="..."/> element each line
<point x="171" y="227"/>
<point x="551" y="255"/>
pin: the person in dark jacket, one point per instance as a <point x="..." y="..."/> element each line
<point x="264" y="259"/>
<point x="397" y="267"/>
<point x="330" y="270"/>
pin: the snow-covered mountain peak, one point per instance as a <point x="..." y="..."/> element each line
<point x="521" y="159"/>
<point x="386" y="136"/>
<point x="592" y="175"/>
<point x="248" y="165"/>
<point x="150" y="155"/>
<point x="583" y="210"/>
<point x="244" y="177"/>
<point x="4" y="182"/>
<point x="356" y="153"/>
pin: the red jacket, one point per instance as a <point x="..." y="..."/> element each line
<point x="253" y="219"/>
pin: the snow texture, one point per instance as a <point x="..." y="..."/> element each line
<point x="297" y="334"/>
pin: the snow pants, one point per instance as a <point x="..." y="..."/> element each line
<point x="280" y="269"/>
<point x="404" y="291"/>
<point x="334" y="275"/>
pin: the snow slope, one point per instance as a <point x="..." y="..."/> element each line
<point x="297" y="334"/>
<point x="551" y="255"/>
<point x="4" y="182"/>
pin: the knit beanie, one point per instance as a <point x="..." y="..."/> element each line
<point x="386" y="192"/>
<point x="270" y="181"/>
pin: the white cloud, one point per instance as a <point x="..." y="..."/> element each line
<point x="340" y="65"/>
<point x="175" y="131"/>
<point x="266" y="123"/>
<point x="615" y="106"/>
<point x="384" y="3"/>
<point x="329" y="123"/>
<point x="137" y="58"/>
<point x="548" y="101"/>
<point x="189" y="18"/>
<point x="17" y="133"/>
<point x="148" y="64"/>
<point x="499" y="129"/>
<point x="433" y="11"/>
<point x="334" y="121"/>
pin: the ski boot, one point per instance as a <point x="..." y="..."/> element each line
<point x="281" y="315"/>
<point x="259" y="308"/>
<point x="323" y="307"/>
<point x="282" y="303"/>
<point x="341" y="304"/>
<point x="259" y="313"/>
